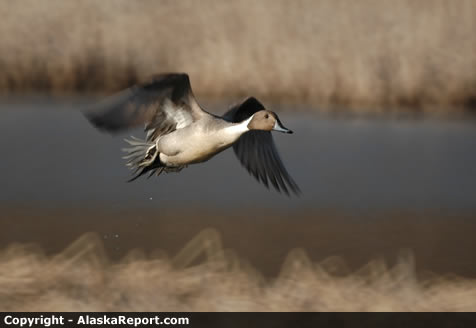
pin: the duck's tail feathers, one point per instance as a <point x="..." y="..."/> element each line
<point x="142" y="157"/>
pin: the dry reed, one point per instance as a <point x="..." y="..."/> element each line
<point x="205" y="277"/>
<point x="361" y="54"/>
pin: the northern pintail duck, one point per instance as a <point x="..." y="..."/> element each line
<point x="180" y="132"/>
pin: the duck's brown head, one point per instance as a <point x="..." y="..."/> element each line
<point x="267" y="120"/>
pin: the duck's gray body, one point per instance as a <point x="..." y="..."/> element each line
<point x="197" y="142"/>
<point x="180" y="132"/>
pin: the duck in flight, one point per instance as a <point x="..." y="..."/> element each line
<point x="180" y="132"/>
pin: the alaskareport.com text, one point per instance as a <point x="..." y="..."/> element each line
<point x="47" y="321"/>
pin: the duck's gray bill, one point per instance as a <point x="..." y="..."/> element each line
<point x="279" y="127"/>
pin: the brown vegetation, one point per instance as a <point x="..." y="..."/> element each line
<point x="136" y="260"/>
<point x="82" y="279"/>
<point x="362" y="54"/>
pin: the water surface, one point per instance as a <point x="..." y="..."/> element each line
<point x="51" y="156"/>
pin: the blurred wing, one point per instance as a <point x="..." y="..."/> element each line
<point x="258" y="154"/>
<point x="243" y="111"/>
<point x="163" y="104"/>
<point x="257" y="151"/>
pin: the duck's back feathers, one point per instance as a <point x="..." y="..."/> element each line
<point x="163" y="104"/>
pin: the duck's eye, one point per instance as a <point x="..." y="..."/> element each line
<point x="266" y="116"/>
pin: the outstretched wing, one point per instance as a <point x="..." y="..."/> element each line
<point x="163" y="104"/>
<point x="257" y="151"/>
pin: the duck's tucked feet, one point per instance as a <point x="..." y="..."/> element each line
<point x="149" y="157"/>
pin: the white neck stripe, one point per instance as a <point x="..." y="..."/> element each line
<point x="240" y="127"/>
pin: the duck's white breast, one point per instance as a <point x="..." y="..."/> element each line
<point x="196" y="143"/>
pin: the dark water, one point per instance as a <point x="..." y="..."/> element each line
<point x="51" y="156"/>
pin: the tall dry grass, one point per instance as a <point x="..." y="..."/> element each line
<point x="205" y="277"/>
<point x="360" y="54"/>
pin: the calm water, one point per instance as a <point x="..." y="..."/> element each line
<point x="51" y="156"/>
